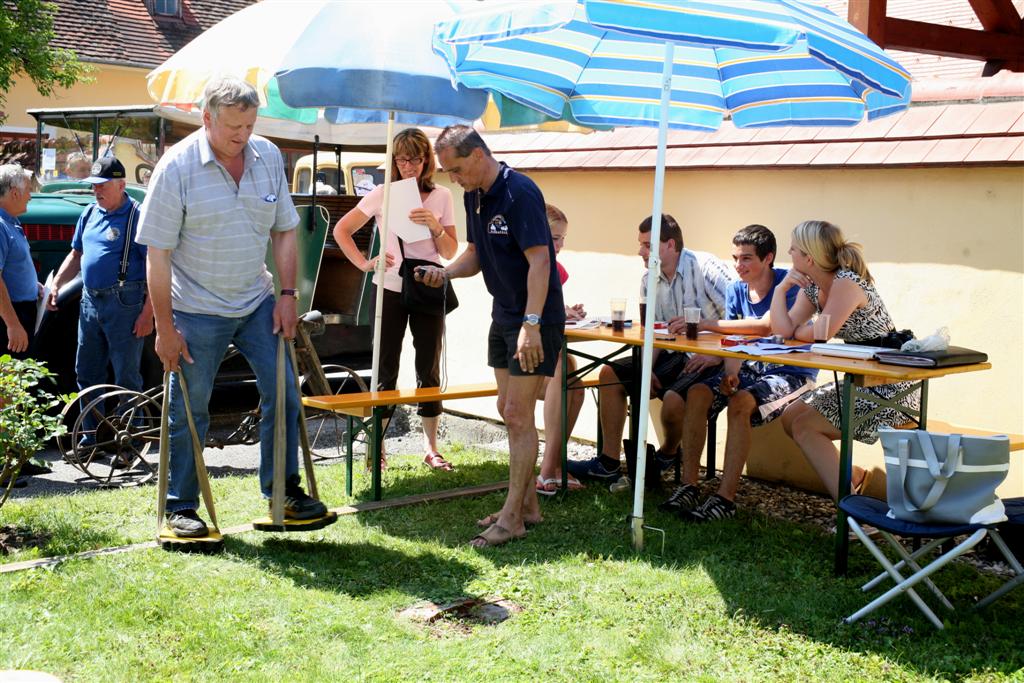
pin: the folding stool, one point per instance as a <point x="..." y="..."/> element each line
<point x="1015" y="517"/>
<point x="863" y="510"/>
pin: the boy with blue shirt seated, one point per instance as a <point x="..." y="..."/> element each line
<point x="756" y="392"/>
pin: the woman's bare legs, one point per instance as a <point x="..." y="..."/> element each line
<point x="551" y="463"/>
<point x="815" y="435"/>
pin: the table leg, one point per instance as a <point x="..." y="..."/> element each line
<point x="922" y="420"/>
<point x="565" y="417"/>
<point x="842" y="542"/>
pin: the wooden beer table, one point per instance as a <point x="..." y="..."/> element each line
<point x="859" y="376"/>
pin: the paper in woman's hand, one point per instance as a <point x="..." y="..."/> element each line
<point x="404" y="197"/>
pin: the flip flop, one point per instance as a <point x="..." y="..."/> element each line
<point x="436" y="461"/>
<point x="574" y="484"/>
<point x="492" y="519"/>
<point x="496" y="535"/>
<point x="544" y="484"/>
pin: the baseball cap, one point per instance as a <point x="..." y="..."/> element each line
<point x="107" y="168"/>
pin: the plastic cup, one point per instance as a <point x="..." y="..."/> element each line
<point x="643" y="312"/>
<point x="618" y="307"/>
<point x="691" y="316"/>
<point x="821" y="327"/>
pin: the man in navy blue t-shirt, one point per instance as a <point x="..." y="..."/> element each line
<point x="115" y="314"/>
<point x="755" y="392"/>
<point x="510" y="243"/>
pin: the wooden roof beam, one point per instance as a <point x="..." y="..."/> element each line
<point x="868" y="17"/>
<point x="997" y="15"/>
<point x="952" y="41"/>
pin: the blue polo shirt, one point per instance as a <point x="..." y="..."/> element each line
<point x="738" y="306"/>
<point x="16" y="267"/>
<point x="501" y="224"/>
<point x="99" y="237"/>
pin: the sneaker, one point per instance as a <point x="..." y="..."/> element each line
<point x="666" y="460"/>
<point x="595" y="468"/>
<point x="684" y="498"/>
<point x="186" y="523"/>
<point x="299" y="505"/>
<point x="713" y="508"/>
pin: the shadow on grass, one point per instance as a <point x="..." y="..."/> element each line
<point x="357" y="569"/>
<point x="774" y="573"/>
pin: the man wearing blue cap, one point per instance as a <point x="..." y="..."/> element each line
<point x="116" y="315"/>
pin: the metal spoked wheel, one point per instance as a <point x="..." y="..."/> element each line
<point x="317" y="420"/>
<point x="120" y="448"/>
<point x="70" y="413"/>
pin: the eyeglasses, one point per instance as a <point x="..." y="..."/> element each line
<point x="408" y="161"/>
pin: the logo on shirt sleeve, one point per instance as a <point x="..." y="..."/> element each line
<point x="497" y="226"/>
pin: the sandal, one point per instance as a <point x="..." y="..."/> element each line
<point x="436" y="461"/>
<point x="549" y="487"/>
<point x="495" y="535"/>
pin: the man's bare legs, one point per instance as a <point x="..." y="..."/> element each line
<point x="673" y="414"/>
<point x="517" y="399"/>
<point x="613" y="412"/>
<point x="737" y="443"/>
<point x="551" y="463"/>
<point x="695" y="433"/>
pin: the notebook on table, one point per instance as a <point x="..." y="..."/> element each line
<point x="954" y="355"/>
<point x="848" y="350"/>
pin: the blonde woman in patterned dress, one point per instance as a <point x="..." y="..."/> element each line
<point x="834" y="279"/>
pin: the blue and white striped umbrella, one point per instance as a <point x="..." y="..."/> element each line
<point x="673" y="64"/>
<point x="807" y="66"/>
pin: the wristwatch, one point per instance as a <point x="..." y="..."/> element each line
<point x="531" y="319"/>
<point x="290" y="292"/>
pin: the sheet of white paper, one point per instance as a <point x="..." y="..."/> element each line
<point x="405" y="196"/>
<point x="41" y="305"/>
<point x="585" y="324"/>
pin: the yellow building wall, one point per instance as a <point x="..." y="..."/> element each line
<point x="946" y="246"/>
<point x="111" y="86"/>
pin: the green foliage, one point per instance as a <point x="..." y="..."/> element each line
<point x="25" y="426"/>
<point x="26" y="36"/>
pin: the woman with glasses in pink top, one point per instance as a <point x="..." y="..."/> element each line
<point x="413" y="158"/>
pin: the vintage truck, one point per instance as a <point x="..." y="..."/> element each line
<point x="138" y="136"/>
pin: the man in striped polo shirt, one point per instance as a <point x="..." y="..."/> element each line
<point x="215" y="200"/>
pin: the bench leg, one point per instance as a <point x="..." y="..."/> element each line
<point x="349" y="438"/>
<point x="375" y="442"/>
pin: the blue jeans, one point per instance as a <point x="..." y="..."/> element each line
<point x="105" y="322"/>
<point x="208" y="337"/>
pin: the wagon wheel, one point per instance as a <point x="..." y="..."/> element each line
<point x="70" y="414"/>
<point x="123" y="437"/>
<point x="317" y="419"/>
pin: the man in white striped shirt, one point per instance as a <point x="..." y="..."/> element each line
<point x="686" y="279"/>
<point x="214" y="202"/>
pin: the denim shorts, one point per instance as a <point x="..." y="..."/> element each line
<point x="502" y="341"/>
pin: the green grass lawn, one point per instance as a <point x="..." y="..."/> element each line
<point x="750" y="599"/>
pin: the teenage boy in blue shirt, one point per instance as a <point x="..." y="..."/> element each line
<point x="756" y="392"/>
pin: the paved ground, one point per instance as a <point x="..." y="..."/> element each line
<point x="404" y="436"/>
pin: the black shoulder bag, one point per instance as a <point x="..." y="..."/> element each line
<point x="422" y="298"/>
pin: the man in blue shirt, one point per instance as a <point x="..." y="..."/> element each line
<point x="755" y="392"/>
<point x="510" y="242"/>
<point x="19" y="287"/>
<point x="115" y="315"/>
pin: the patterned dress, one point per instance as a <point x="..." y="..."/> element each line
<point x="866" y="323"/>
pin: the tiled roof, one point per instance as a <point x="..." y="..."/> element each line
<point x="124" y="32"/>
<point x="951" y="134"/>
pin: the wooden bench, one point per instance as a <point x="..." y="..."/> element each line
<point x="365" y="411"/>
<point x="1016" y="440"/>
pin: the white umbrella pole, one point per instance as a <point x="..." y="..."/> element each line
<point x="653" y="270"/>
<point x="382" y="230"/>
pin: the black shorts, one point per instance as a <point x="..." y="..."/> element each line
<point x="668" y="368"/>
<point x="502" y="341"/>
